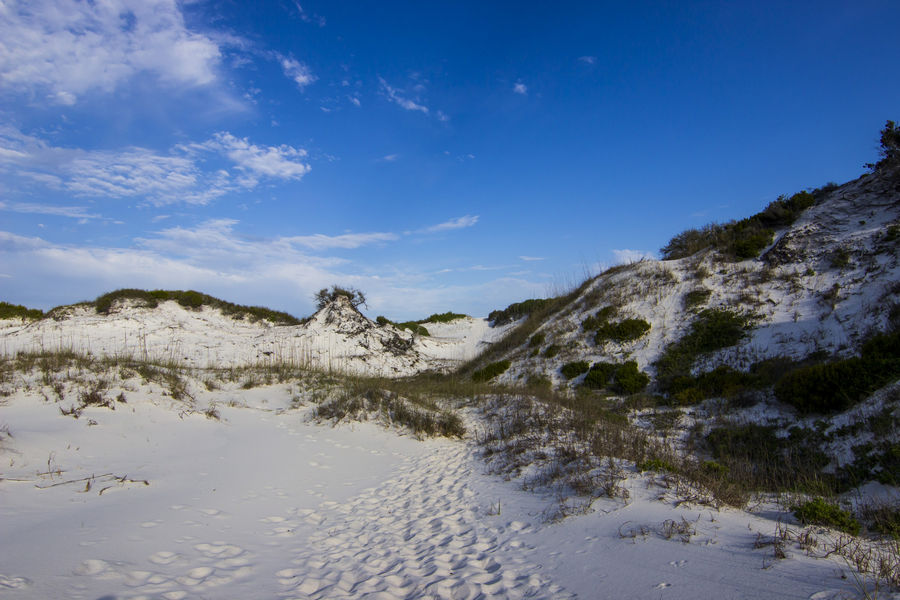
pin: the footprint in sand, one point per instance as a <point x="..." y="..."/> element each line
<point x="678" y="563"/>
<point x="662" y="586"/>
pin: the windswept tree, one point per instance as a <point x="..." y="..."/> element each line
<point x="890" y="146"/>
<point x="325" y="295"/>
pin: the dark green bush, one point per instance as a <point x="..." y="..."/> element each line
<point x="17" y="311"/>
<point x="622" y="331"/>
<point x="840" y="258"/>
<point x="325" y="295"/>
<point x="740" y="239"/>
<point x="490" y="371"/>
<point x="382" y="321"/>
<point x="603" y="316"/>
<point x="629" y="380"/>
<point x="443" y="318"/>
<point x="819" y="512"/>
<point x="536" y="340"/>
<point x="413" y="326"/>
<point x="713" y="329"/>
<point x="552" y="350"/>
<point x="599" y="375"/>
<point x="838" y="385"/>
<point x="574" y="369"/>
<point x="517" y="310"/>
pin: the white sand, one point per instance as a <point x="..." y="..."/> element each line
<point x="264" y="504"/>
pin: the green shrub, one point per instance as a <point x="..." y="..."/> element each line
<point x="629" y="379"/>
<point x="599" y="375"/>
<point x="838" y="385"/>
<point x="603" y="316"/>
<point x="413" y="326"/>
<point x="490" y="371"/>
<point x="622" y="331"/>
<point x="552" y="350"/>
<point x="446" y="317"/>
<point x="712" y="329"/>
<point x="574" y="369"/>
<point x="324" y="296"/>
<point x="819" y="512"/>
<point x="17" y="311"/>
<point x="740" y="239"/>
<point x="656" y="464"/>
<point x="536" y="340"/>
<point x="382" y="321"/>
<point x="696" y="297"/>
<point x="517" y="310"/>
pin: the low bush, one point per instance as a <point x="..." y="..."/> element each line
<point x="17" y="311"/>
<point x="446" y="317"/>
<point x="536" y="340"/>
<point x="574" y="369"/>
<point x="622" y="331"/>
<point x="413" y="326"/>
<point x="490" y="371"/>
<point x="713" y="329"/>
<point x="552" y="350"/>
<point x="740" y="240"/>
<point x="602" y="317"/>
<point x="656" y="464"/>
<point x="838" y="385"/>
<point x="599" y="375"/>
<point x="840" y="258"/>
<point x="819" y="512"/>
<point x="629" y="380"/>
<point x="517" y="310"/>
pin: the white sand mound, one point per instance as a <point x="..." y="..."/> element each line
<point x="337" y="338"/>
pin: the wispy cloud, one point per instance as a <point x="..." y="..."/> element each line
<point x="66" y="49"/>
<point x="347" y="240"/>
<point x="71" y="212"/>
<point x="531" y="258"/>
<point x="460" y="223"/>
<point x="309" y="18"/>
<point x="389" y="157"/>
<point x="180" y="176"/>
<point x="397" y="98"/>
<point x="520" y="88"/>
<point x="278" y="162"/>
<point x="298" y="71"/>
<point x="588" y="60"/>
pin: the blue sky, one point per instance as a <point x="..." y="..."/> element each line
<point x="437" y="155"/>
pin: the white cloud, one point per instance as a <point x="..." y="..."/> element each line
<point x="461" y="222"/>
<point x="299" y="72"/>
<point x="348" y="240"/>
<point x="389" y="158"/>
<point x="72" y="212"/>
<point x="309" y="18"/>
<point x="69" y="48"/>
<point x="394" y="96"/>
<point x="278" y="162"/>
<point x="520" y="88"/>
<point x="354" y="101"/>
<point x="630" y="256"/>
<point x="179" y="176"/>
<point x="588" y="60"/>
<point x="531" y="258"/>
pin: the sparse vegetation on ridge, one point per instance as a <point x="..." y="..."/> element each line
<point x="192" y="300"/>
<point x="17" y="311"/>
<point x="740" y="240"/>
